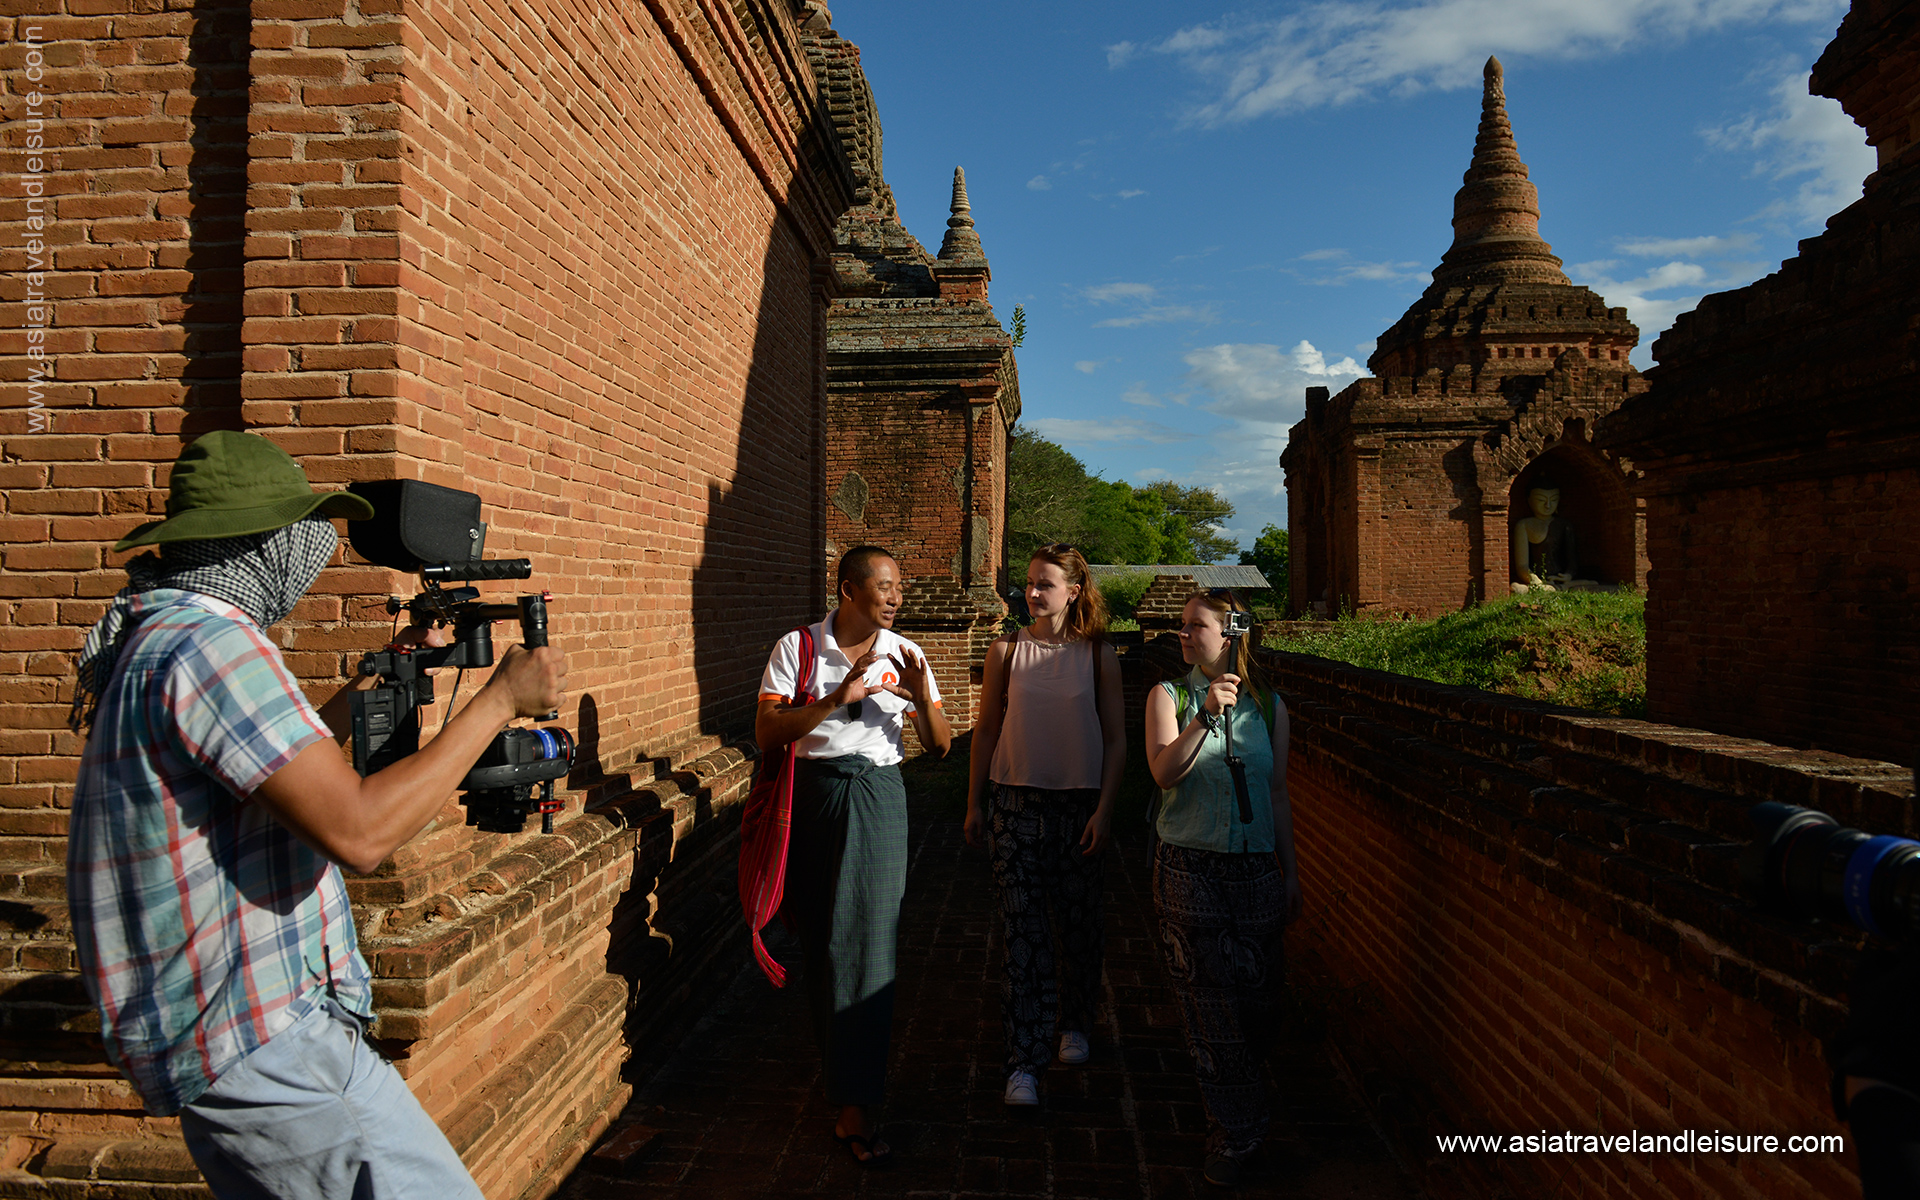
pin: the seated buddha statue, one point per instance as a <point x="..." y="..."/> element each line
<point x="1544" y="554"/>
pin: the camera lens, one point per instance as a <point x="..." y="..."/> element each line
<point x="1804" y="864"/>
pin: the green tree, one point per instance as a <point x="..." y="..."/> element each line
<point x="1122" y="524"/>
<point x="1046" y="494"/>
<point x="1051" y="498"/>
<point x="1019" y="334"/>
<point x="1190" y="523"/>
<point x="1269" y="553"/>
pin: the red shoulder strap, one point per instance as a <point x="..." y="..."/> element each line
<point x="803" y="686"/>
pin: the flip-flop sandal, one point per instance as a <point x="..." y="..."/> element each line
<point x="855" y="1142"/>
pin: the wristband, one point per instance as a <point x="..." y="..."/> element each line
<point x="1210" y="720"/>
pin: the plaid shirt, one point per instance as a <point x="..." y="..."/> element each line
<point x="201" y="922"/>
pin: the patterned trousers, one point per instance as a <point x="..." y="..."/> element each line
<point x="1221" y="917"/>
<point x="1038" y="865"/>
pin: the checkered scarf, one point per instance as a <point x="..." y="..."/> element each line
<point x="262" y="574"/>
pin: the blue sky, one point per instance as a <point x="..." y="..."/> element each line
<point x="1207" y="209"/>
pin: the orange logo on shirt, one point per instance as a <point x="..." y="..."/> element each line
<point x="889" y="677"/>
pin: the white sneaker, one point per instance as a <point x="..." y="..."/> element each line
<point x="1074" y="1048"/>
<point x="1023" y="1089"/>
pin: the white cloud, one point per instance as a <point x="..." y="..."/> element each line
<point x="1138" y="297"/>
<point x="1110" y="293"/>
<point x="1262" y="385"/>
<point x="1313" y="362"/>
<point x="1130" y="193"/>
<point x="1138" y="394"/>
<point x="1654" y="313"/>
<point x="1692" y="247"/>
<point x="1805" y="138"/>
<point x="1340" y="267"/>
<point x="1088" y="366"/>
<point x="1072" y="432"/>
<point x="1336" y="51"/>
<point x="1160" y="314"/>
<point x="1039" y="183"/>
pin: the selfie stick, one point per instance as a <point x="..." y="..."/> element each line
<point x="1235" y="764"/>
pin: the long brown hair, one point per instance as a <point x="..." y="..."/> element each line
<point x="1245" y="665"/>
<point x="1087" y="615"/>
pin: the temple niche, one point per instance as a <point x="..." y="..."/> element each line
<point x="1406" y="492"/>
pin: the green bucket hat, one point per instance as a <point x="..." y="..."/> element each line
<point x="229" y="484"/>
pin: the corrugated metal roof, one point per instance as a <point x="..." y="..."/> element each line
<point x="1204" y="575"/>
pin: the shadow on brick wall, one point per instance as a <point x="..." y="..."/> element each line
<point x="758" y="574"/>
<point x="214" y="255"/>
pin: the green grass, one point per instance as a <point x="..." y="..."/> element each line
<point x="1582" y="649"/>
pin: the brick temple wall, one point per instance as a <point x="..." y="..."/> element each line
<point x="1522" y="918"/>
<point x="1428" y="546"/>
<point x="1780" y="445"/>
<point x="567" y="259"/>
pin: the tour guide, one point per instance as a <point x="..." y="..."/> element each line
<point x="212" y="806"/>
<point x="847" y="854"/>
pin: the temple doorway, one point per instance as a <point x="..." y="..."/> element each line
<point x="1594" y="500"/>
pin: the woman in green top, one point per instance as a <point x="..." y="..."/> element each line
<point x="1224" y="886"/>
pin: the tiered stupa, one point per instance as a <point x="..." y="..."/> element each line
<point x="1402" y="489"/>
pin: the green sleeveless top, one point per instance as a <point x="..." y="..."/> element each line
<point x="1201" y="812"/>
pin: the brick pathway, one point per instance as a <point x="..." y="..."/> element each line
<point x="740" y="1114"/>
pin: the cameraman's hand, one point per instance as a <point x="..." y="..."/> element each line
<point x="430" y="636"/>
<point x="1224" y="694"/>
<point x="535" y="680"/>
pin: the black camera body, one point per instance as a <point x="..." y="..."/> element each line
<point x="1237" y="623"/>
<point x="437" y="532"/>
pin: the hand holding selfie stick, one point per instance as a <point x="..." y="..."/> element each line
<point x="1237" y="625"/>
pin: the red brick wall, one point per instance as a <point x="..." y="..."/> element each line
<point x="1429" y="543"/>
<point x="1778" y="445"/>
<point x="1521" y="918"/>
<point x="1532" y="920"/>
<point x="932" y="473"/>
<point x="1784" y="611"/>
<point x="911" y="452"/>
<point x="568" y="259"/>
<point x="145" y="125"/>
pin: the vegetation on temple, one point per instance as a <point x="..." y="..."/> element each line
<point x="1582" y="649"/>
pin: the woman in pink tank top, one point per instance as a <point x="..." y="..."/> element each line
<point x="1048" y="751"/>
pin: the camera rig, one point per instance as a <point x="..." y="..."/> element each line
<point x="437" y="532"/>
<point x="1237" y="625"/>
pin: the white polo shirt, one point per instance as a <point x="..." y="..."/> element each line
<point x="882" y="714"/>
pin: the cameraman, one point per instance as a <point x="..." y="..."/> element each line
<point x="1876" y="1073"/>
<point x="212" y="806"/>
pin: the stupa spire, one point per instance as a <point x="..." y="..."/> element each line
<point x="1496" y="212"/>
<point x="961" y="240"/>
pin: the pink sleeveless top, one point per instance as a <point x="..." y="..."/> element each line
<point x="1051" y="735"/>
